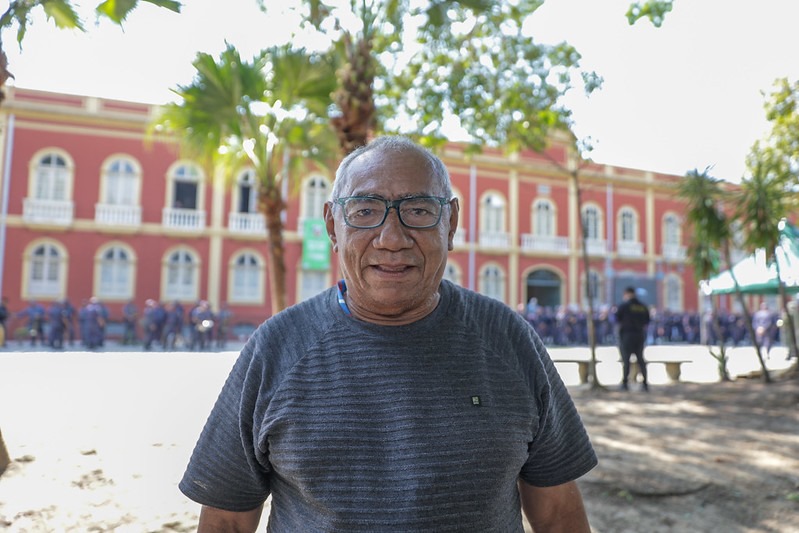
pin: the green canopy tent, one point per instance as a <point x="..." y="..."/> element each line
<point x="755" y="276"/>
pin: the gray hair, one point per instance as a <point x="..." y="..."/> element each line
<point x="392" y="144"/>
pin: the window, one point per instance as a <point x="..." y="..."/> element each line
<point x="453" y="273"/>
<point x="492" y="282"/>
<point x="313" y="282"/>
<point x="247" y="278"/>
<point x="185" y="187"/>
<point x="116" y="269"/>
<point x="672" y="293"/>
<point x="246" y="187"/>
<point x="543" y="219"/>
<point x="121" y="177"/>
<point x="52" y="178"/>
<point x="628" y="225"/>
<point x="315" y="193"/>
<point x="591" y="222"/>
<point x="593" y="291"/>
<point x="181" y="275"/>
<point x="46" y="270"/>
<point x="672" y="231"/>
<point x="493" y="214"/>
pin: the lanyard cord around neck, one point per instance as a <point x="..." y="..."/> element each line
<point x="342" y="289"/>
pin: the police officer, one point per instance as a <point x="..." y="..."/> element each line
<point x="632" y="316"/>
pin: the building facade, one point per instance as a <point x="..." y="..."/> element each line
<point x="93" y="206"/>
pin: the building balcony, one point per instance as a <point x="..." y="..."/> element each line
<point x="58" y="212"/>
<point x="674" y="252"/>
<point x="183" y="219"/>
<point x="495" y="239"/>
<point x="630" y="249"/>
<point x="549" y="243"/>
<point x="596" y="246"/>
<point x="117" y="215"/>
<point x="247" y="223"/>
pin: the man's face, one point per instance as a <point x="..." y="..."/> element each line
<point x="392" y="272"/>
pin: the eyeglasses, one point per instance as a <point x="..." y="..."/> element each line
<point x="365" y="212"/>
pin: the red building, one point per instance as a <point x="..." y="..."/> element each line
<point x="92" y="206"/>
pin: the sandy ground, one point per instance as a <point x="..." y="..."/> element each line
<point x="99" y="440"/>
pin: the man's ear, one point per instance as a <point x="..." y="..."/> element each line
<point x="330" y="225"/>
<point x="454" y="212"/>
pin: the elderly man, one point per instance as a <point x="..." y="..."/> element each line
<point x="394" y="401"/>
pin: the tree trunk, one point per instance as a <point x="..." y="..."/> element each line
<point x="5" y="460"/>
<point x="791" y="340"/>
<point x="721" y="358"/>
<point x="355" y="97"/>
<point x="747" y="315"/>
<point x="272" y="205"/>
<point x="595" y="384"/>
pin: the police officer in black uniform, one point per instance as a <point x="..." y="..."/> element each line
<point x="632" y="316"/>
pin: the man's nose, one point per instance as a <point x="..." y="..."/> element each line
<point x="393" y="235"/>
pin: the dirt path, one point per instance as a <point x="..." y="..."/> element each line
<point x="694" y="458"/>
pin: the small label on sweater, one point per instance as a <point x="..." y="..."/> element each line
<point x="476" y="401"/>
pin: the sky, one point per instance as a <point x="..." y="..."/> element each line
<point x="687" y="95"/>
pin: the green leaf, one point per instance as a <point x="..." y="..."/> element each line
<point x="655" y="11"/>
<point x="62" y="14"/>
<point x="118" y="10"/>
<point x="171" y="5"/>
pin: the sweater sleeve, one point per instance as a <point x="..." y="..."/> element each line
<point x="226" y="470"/>
<point x="561" y="450"/>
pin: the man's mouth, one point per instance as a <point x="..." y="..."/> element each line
<point x="392" y="268"/>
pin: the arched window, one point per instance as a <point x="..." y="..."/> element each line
<point x="181" y="275"/>
<point x="492" y="282"/>
<point x="116" y="271"/>
<point x="185" y="187"/>
<point x="247" y="192"/>
<point x="493" y="214"/>
<point x="593" y="291"/>
<point x="247" y="273"/>
<point x="46" y="271"/>
<point x="52" y="178"/>
<point x="591" y="222"/>
<point x="314" y="195"/>
<point x="312" y="283"/>
<point x="121" y="187"/>
<point x="672" y="230"/>
<point x="628" y="225"/>
<point x="672" y="293"/>
<point x="453" y="273"/>
<point x="543" y="218"/>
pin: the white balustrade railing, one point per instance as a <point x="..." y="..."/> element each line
<point x="183" y="219"/>
<point x="548" y="243"/>
<point x="249" y="223"/>
<point x="495" y="239"/>
<point x="630" y="248"/>
<point x="60" y="212"/>
<point x="117" y="215"/>
<point x="674" y="252"/>
<point x="596" y="246"/>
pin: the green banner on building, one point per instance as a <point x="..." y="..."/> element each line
<point x="315" y="245"/>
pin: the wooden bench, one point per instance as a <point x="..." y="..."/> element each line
<point x="673" y="366"/>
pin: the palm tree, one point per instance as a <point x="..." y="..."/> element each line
<point x="711" y="229"/>
<point x="270" y="113"/>
<point x="762" y="206"/>
<point x="708" y="226"/>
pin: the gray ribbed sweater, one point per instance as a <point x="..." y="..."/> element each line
<point x="352" y="426"/>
